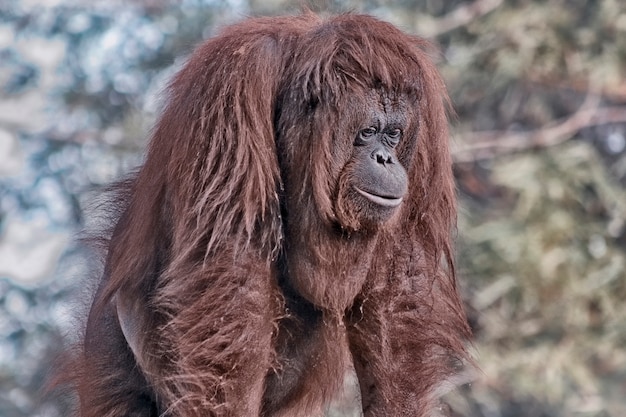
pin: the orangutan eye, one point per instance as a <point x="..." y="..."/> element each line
<point x="394" y="133"/>
<point x="393" y="136"/>
<point x="368" y="132"/>
<point x="365" y="135"/>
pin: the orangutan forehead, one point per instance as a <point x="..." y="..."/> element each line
<point x="376" y="103"/>
<point x="391" y="101"/>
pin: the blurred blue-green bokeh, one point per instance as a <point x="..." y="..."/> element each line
<point x="539" y="140"/>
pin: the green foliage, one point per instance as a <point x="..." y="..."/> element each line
<point x="545" y="271"/>
<point x="542" y="237"/>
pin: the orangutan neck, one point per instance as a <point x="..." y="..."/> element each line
<point x="327" y="267"/>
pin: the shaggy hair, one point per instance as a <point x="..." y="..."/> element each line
<point x="239" y="279"/>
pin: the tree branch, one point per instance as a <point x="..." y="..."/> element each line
<point x="489" y="144"/>
<point x="431" y="27"/>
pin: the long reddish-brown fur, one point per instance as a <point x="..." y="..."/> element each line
<point x="237" y="292"/>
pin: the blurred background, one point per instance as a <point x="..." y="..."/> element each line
<point x="539" y="141"/>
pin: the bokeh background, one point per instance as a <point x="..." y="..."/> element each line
<point x="539" y="141"/>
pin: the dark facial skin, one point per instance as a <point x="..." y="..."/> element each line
<point x="383" y="180"/>
<point x="377" y="182"/>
